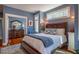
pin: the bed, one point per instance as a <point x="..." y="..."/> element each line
<point x="35" y="45"/>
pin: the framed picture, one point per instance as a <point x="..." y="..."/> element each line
<point x="30" y="23"/>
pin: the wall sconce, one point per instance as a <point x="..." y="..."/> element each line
<point x="46" y="21"/>
<point x="30" y="23"/>
<point x="72" y="17"/>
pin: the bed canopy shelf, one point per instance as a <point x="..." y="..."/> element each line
<point x="64" y="13"/>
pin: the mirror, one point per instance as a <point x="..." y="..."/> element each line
<point x="16" y="23"/>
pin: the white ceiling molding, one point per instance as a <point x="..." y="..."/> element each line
<point x="34" y="7"/>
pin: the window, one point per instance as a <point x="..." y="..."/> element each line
<point x="36" y="23"/>
<point x="64" y="12"/>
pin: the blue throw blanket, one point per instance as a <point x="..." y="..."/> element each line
<point x="46" y="40"/>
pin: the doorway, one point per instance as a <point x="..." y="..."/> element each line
<point x="14" y="26"/>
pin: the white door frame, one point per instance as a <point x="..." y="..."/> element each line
<point x="7" y="25"/>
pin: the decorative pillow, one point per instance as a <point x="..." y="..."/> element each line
<point x="46" y="31"/>
<point x="51" y="31"/>
<point x="55" y="31"/>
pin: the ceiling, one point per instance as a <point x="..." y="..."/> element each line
<point x="34" y="7"/>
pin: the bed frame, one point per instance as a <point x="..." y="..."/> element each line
<point x="58" y="25"/>
<point x="31" y="50"/>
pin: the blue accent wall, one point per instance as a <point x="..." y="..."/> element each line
<point x="21" y="13"/>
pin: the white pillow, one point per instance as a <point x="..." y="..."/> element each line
<point x="60" y="31"/>
<point x="51" y="31"/>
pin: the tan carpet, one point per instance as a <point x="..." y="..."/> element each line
<point x="60" y="51"/>
<point x="19" y="51"/>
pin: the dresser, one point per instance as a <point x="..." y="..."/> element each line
<point x="15" y="36"/>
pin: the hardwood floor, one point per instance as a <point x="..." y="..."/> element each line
<point x="15" y="41"/>
<point x="1" y="44"/>
<point x="12" y="42"/>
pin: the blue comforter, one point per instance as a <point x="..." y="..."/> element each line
<point x="47" y="41"/>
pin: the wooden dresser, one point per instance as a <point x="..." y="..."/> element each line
<point x="15" y="36"/>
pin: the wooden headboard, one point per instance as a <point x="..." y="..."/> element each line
<point x="58" y="25"/>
